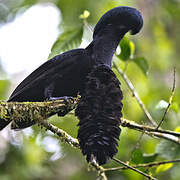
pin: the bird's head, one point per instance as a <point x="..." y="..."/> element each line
<point x="120" y="20"/>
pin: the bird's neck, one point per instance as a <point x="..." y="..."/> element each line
<point x="103" y="47"/>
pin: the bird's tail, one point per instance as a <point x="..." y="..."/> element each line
<point x="4" y="123"/>
<point x="99" y="112"/>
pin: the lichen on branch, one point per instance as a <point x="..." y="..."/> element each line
<point x="36" y="111"/>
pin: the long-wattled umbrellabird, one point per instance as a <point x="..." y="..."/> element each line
<point x="87" y="72"/>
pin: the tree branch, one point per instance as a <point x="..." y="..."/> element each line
<point x="21" y="111"/>
<point x="147" y="165"/>
<point x="165" y="134"/>
<point x="134" y="169"/>
<point x="42" y="110"/>
<point x="65" y="137"/>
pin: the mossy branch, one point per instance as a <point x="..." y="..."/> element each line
<point x="36" y="111"/>
<point x="40" y="111"/>
<point x="65" y="137"/>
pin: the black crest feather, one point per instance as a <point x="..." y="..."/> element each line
<point x="99" y="112"/>
<point x="125" y="16"/>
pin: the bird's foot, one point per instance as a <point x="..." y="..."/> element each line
<point x="67" y="100"/>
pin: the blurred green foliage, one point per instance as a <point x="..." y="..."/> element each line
<point x="154" y="52"/>
<point x="70" y="39"/>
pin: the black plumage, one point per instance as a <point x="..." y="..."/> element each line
<point x="75" y="72"/>
<point x="99" y="112"/>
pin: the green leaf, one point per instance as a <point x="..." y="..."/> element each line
<point x="163" y="167"/>
<point x="177" y="129"/>
<point x="168" y="149"/>
<point x="149" y="157"/>
<point x="132" y="47"/>
<point x="127" y="49"/>
<point x="137" y="157"/>
<point x="68" y="40"/>
<point x="142" y="64"/>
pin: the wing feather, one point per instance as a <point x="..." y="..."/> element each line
<point x="57" y="67"/>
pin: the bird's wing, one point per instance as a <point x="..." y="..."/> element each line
<point x="57" y="66"/>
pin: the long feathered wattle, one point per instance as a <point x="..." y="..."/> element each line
<point x="99" y="113"/>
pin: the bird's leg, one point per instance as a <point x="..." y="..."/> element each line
<point x="66" y="100"/>
<point x="48" y="95"/>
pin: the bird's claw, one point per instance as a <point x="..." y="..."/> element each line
<point x="67" y="100"/>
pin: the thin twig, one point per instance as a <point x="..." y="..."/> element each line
<point x="147" y="165"/>
<point x="135" y="94"/>
<point x="60" y="133"/>
<point x="73" y="142"/>
<point x="170" y="98"/>
<point x="134" y="169"/>
<point x="100" y="170"/>
<point x="131" y="124"/>
<point x="165" y="134"/>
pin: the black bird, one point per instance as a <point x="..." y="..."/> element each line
<point x="69" y="73"/>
